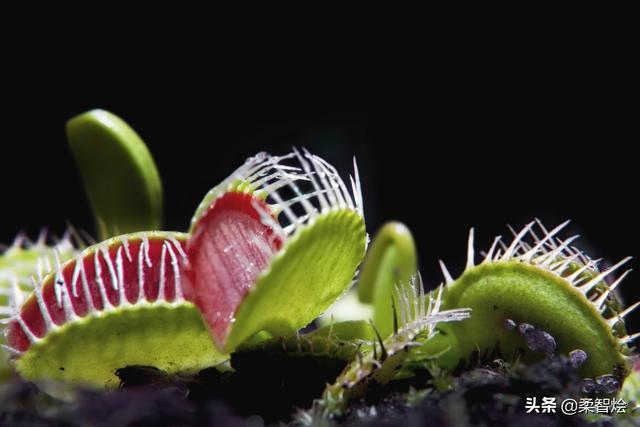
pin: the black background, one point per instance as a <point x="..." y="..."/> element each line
<point x="445" y="139"/>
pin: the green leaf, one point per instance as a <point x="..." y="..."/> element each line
<point x="390" y="261"/>
<point x="119" y="174"/>
<point x="348" y="308"/>
<point x="117" y="303"/>
<point x="526" y="294"/>
<point x="540" y="281"/>
<point x="90" y="350"/>
<point x="306" y="276"/>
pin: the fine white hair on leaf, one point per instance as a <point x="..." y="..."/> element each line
<point x="418" y="316"/>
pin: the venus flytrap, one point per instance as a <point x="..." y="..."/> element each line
<point x="269" y="250"/>
<point x="117" y="303"/>
<point x="273" y="246"/>
<point x="122" y="300"/>
<point x="537" y="295"/>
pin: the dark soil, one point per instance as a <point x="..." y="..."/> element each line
<point x="268" y="390"/>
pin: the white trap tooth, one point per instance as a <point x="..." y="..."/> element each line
<point x="322" y="175"/>
<point x="401" y="306"/>
<point x="140" y="267"/>
<point x="19" y="240"/>
<point x="630" y="338"/>
<point x="628" y="310"/>
<point x="178" y="247"/>
<point x="324" y="204"/>
<point x="560" y="266"/>
<point x="112" y="271"/>
<point x="69" y="312"/>
<point x="508" y="253"/>
<point x="548" y="238"/>
<point x="602" y="298"/>
<point x="288" y="212"/>
<point x="303" y="199"/>
<point x="17" y="296"/>
<point x="42" y="237"/>
<point x="586" y="287"/>
<point x="175" y="268"/>
<point x="47" y="265"/>
<point x="470" y="250"/>
<point x="421" y="297"/>
<point x="74" y="279"/>
<point x="12" y="351"/>
<point x="46" y="316"/>
<point x="40" y="269"/>
<point x="573" y="277"/>
<point x="547" y="258"/>
<point x="340" y="182"/>
<point x="30" y="335"/>
<point x="523" y="247"/>
<point x="161" y="284"/>
<point x="550" y="242"/>
<point x="147" y="259"/>
<point x="85" y="285"/>
<point x="357" y="192"/>
<point x="122" y="297"/>
<point x="106" y="304"/>
<point x="58" y="292"/>
<point x="447" y="276"/>
<point x="334" y="184"/>
<point x="127" y="250"/>
<point x="489" y="256"/>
